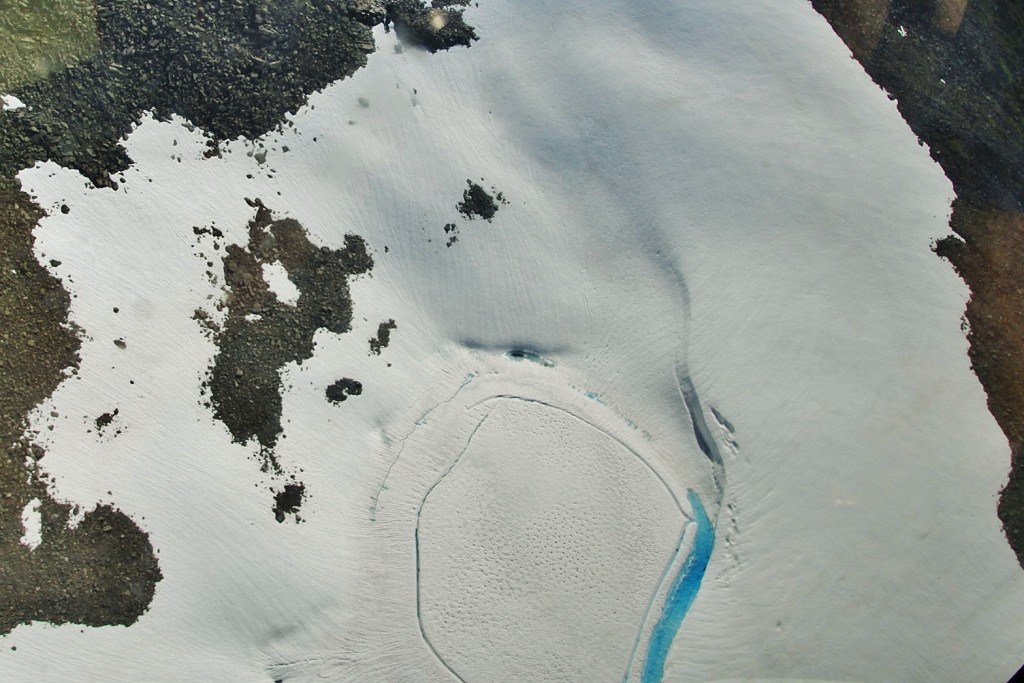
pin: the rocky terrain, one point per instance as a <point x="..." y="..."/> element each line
<point x="86" y="72"/>
<point x="956" y="71"/>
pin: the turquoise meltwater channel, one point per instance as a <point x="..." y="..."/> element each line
<point x="681" y="594"/>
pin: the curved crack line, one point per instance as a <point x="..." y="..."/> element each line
<point x="690" y="520"/>
<point x="633" y="452"/>
<point x="416" y="536"/>
<point x="709" y="447"/>
<point x="416" y="425"/>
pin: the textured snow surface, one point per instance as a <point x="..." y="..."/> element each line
<point x="706" y="193"/>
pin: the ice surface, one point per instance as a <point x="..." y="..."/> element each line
<point x="541" y="549"/>
<point x="708" y="196"/>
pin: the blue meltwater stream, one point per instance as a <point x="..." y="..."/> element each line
<point x="680" y="595"/>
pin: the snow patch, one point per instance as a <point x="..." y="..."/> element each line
<point x="76" y="516"/>
<point x="10" y="103"/>
<point x="32" y="522"/>
<point x="276" y="277"/>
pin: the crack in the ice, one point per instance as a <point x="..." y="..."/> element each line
<point x="420" y="421"/>
<point x="416" y="534"/>
<point x="634" y="453"/>
<point x="673" y="560"/>
<point x="705" y="440"/>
